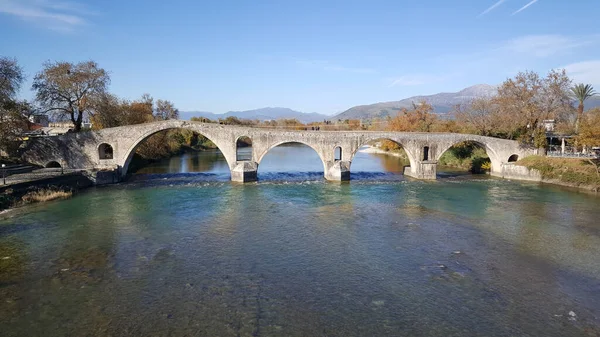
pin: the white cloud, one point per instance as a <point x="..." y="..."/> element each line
<point x="587" y="72"/>
<point x="491" y="8"/>
<point x="524" y="7"/>
<point x="546" y="45"/>
<point x="57" y="15"/>
<point x="415" y="80"/>
<point x="328" y="66"/>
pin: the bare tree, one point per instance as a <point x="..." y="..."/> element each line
<point x="525" y="101"/>
<point x="164" y="110"/>
<point x="70" y="89"/>
<point x="478" y="116"/>
<point x="11" y="77"/>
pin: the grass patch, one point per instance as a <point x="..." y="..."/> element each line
<point x="573" y="171"/>
<point x="46" y="195"/>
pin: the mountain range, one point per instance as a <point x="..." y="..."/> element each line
<point x="260" y="114"/>
<point x="442" y="103"/>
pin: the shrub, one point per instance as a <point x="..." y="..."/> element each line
<point x="46" y="195"/>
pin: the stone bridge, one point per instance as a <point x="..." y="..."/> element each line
<point x="113" y="148"/>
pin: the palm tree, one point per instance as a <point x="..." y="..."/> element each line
<point x="581" y="92"/>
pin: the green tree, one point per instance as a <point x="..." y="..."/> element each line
<point x="589" y="134"/>
<point x="70" y="89"/>
<point x="581" y="92"/>
<point x="12" y="120"/>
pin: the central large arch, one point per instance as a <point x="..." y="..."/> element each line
<point x="260" y="156"/>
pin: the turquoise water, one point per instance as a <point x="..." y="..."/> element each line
<point x="293" y="255"/>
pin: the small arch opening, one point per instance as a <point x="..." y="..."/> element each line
<point x="105" y="151"/>
<point x="53" y="164"/>
<point x="513" y="158"/>
<point x="426" y="153"/>
<point x="243" y="146"/>
<point x="337" y="153"/>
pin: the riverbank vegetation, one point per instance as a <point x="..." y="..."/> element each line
<point x="11" y="198"/>
<point x="44" y="195"/>
<point x="467" y="156"/>
<point x="568" y="171"/>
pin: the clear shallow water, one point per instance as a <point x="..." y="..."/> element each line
<point x="294" y="162"/>
<point x="293" y="255"/>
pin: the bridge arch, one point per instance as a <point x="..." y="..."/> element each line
<point x="495" y="158"/>
<point x="53" y="164"/>
<point x="127" y="156"/>
<point x="261" y="155"/>
<point x="412" y="157"/>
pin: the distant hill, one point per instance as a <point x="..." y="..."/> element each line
<point x="260" y="114"/>
<point x="593" y="102"/>
<point x="442" y="103"/>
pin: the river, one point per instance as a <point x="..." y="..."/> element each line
<point x="176" y="253"/>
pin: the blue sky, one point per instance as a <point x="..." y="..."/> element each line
<point x="312" y="56"/>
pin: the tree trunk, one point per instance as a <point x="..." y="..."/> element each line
<point x="579" y="115"/>
<point x="78" y="122"/>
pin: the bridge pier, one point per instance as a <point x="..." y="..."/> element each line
<point x="244" y="171"/>
<point x="337" y="170"/>
<point x="426" y="170"/>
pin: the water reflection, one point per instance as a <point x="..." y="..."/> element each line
<point x="291" y="158"/>
<point x="209" y="161"/>
<point x="367" y="160"/>
<point x="287" y="161"/>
